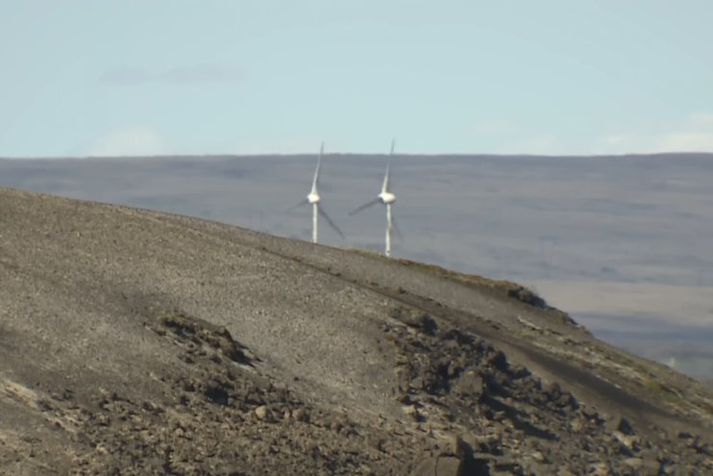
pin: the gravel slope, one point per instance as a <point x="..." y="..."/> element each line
<point x="135" y="342"/>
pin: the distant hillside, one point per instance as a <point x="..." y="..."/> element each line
<point x="137" y="342"/>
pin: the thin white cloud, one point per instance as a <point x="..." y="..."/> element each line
<point x="131" y="141"/>
<point x="695" y="134"/>
<point x="702" y="119"/>
<point x="701" y="141"/>
<point x="182" y="75"/>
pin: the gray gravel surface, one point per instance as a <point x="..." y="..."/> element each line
<point x="134" y="342"/>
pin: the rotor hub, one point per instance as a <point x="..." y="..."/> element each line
<point x="387" y="198"/>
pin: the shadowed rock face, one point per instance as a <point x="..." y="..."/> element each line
<point x="135" y="342"/>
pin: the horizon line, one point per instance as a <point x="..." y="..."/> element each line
<point x="404" y="154"/>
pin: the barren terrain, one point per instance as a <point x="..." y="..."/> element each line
<point x="137" y="342"/>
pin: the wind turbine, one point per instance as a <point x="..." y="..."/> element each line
<point x="314" y="199"/>
<point x="387" y="198"/>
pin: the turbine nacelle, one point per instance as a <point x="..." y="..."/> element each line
<point x="313" y="198"/>
<point x="387" y="198"/>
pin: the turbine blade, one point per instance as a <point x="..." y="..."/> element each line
<point x="387" y="175"/>
<point x="324" y="215"/>
<point x="302" y="202"/>
<point x="385" y="185"/>
<point x="315" y="181"/>
<point x="364" y="207"/>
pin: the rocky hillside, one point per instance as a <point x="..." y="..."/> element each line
<point x="134" y="342"/>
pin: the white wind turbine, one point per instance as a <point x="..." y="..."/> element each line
<point x="387" y="198"/>
<point x="314" y="199"/>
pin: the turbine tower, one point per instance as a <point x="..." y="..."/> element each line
<point x="387" y="198"/>
<point x="313" y="199"/>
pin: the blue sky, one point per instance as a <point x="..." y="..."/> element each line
<point x="261" y="76"/>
